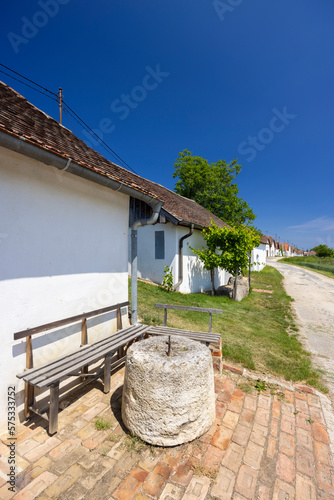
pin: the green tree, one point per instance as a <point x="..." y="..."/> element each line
<point x="323" y="251"/>
<point x="212" y="186"/>
<point x="227" y="248"/>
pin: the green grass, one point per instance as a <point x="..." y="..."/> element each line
<point x="101" y="424"/>
<point x="322" y="265"/>
<point x="259" y="332"/>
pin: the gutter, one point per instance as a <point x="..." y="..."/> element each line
<point x="21" y="146"/>
<point x="191" y="230"/>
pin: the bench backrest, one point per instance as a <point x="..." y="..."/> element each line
<point x="186" y="308"/>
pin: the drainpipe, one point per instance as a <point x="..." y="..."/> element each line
<point x="156" y="207"/>
<point x="191" y="230"/>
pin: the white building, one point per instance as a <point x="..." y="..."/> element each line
<point x="259" y="254"/>
<point x="64" y="237"/>
<point x="169" y="242"/>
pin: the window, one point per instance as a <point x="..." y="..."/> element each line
<point x="159" y="244"/>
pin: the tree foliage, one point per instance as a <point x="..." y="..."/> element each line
<point x="227" y="247"/>
<point x="323" y="251"/>
<point x="212" y="186"/>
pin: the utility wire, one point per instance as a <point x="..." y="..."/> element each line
<point x="27" y="85"/>
<point x="98" y="138"/>
<point x="54" y="97"/>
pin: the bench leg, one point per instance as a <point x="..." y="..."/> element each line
<point x="28" y="399"/>
<point x="54" y="404"/>
<point x="107" y="370"/>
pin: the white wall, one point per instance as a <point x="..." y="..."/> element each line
<point x="259" y="257"/>
<point x="63" y="252"/>
<point x="195" y="277"/>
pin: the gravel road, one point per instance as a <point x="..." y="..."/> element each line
<point x="314" y="304"/>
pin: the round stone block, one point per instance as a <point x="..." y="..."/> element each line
<point x="168" y="400"/>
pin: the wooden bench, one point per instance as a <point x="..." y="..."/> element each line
<point x="49" y="375"/>
<point x="212" y="340"/>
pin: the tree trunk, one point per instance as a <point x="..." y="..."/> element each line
<point x="212" y="274"/>
<point x="249" y="272"/>
<point x="235" y="285"/>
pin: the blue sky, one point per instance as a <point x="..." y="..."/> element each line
<point x="242" y="79"/>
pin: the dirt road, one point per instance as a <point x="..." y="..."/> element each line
<point x="314" y="305"/>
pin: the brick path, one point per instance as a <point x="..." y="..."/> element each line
<point x="262" y="446"/>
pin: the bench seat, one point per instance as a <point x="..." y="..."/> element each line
<point x="50" y="374"/>
<point x="204" y="337"/>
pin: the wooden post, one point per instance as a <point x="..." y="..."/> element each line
<point x="107" y="370"/>
<point x="165" y="317"/>
<point x="84" y="340"/>
<point x="120" y="352"/>
<point x="210" y="322"/>
<point x="29" y="389"/>
<point x="54" y="404"/>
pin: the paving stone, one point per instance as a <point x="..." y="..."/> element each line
<point x="235" y="405"/>
<point x="95" y="439"/>
<point x="171" y="492"/>
<point x="285" y="468"/>
<point x="320" y="433"/>
<point x="264" y="402"/>
<point x="302" y="406"/>
<point x="33" y="471"/>
<point x="233" y="368"/>
<point x="224" y="485"/>
<point x="247" y="417"/>
<point x="26" y="446"/>
<point x="287" y="444"/>
<point x="276" y="409"/>
<point x="37" y="486"/>
<point x="274" y="428"/>
<point x="325" y="476"/>
<point x="230" y="419"/>
<point x="304" y="438"/>
<point x="238" y="394"/>
<point x="222" y="438"/>
<point x="183" y="473"/>
<point x="64" y="482"/>
<point x="305" y="488"/>
<point x="94" y="411"/>
<point x="305" y="463"/>
<point x="76" y="491"/>
<point x="262" y="416"/>
<point x="288" y="424"/>
<point x="246" y="482"/>
<point x="131" y="485"/>
<point x="233" y="457"/>
<point x="197" y="449"/>
<point x="42" y="449"/>
<point x="172" y="457"/>
<point x="124" y="464"/>
<point x="104" y="488"/>
<point x="148" y="461"/>
<point x="212" y="458"/>
<point x="271" y="448"/>
<point x="64" y="448"/>
<point x="5" y="493"/>
<point x="259" y="434"/>
<point x="263" y="492"/>
<point x="155" y="482"/>
<point x="313" y="400"/>
<point x="253" y="455"/>
<point x="220" y="409"/>
<point x="100" y="466"/>
<point x="322" y="453"/>
<point x="206" y="438"/>
<point x="250" y="402"/>
<point x="241" y="434"/>
<point x="300" y="395"/>
<point x="288" y="396"/>
<point x="316" y="414"/>
<point x="304" y="388"/>
<point x="302" y="421"/>
<point x="283" y="490"/>
<point x="237" y="496"/>
<point x="116" y="451"/>
<point x="287" y="409"/>
<point x="197" y="488"/>
<point x="141" y="496"/>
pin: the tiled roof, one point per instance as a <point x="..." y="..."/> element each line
<point x="264" y="239"/>
<point x="22" y="119"/>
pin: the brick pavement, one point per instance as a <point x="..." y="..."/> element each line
<point x="268" y="445"/>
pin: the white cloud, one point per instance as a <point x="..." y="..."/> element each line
<point x="321" y="224"/>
